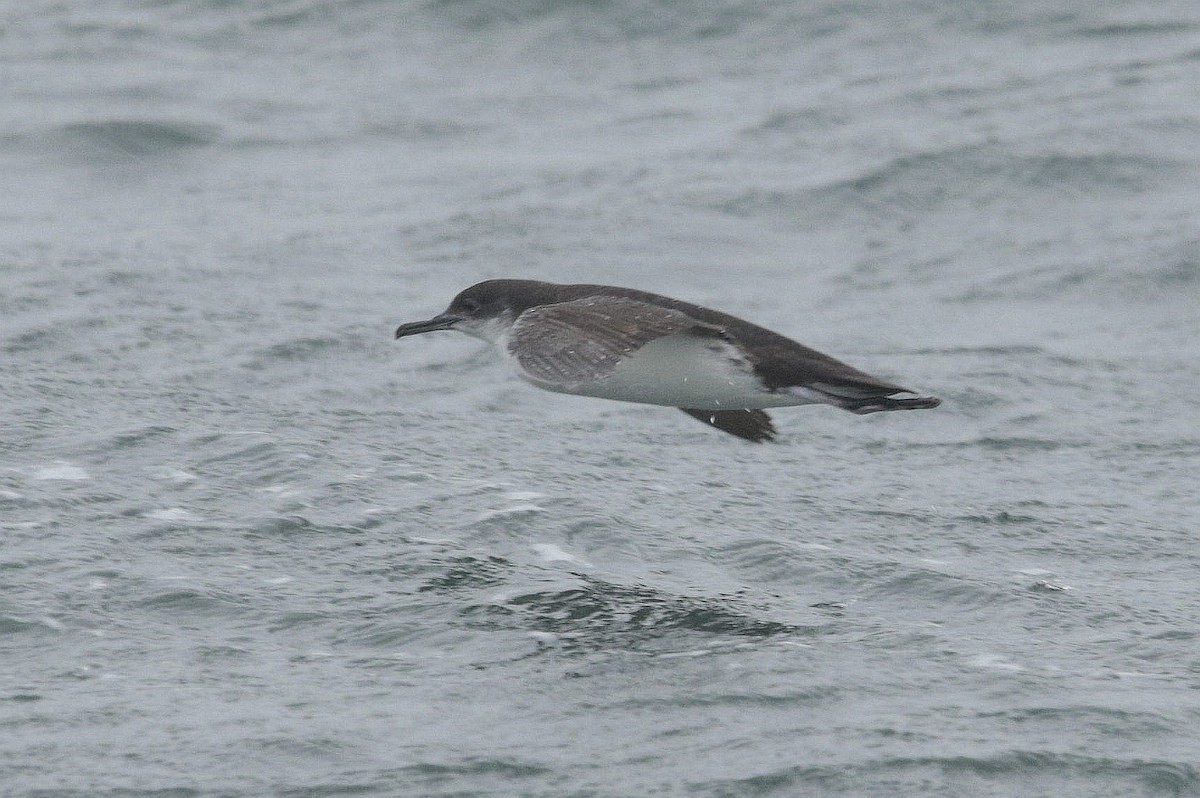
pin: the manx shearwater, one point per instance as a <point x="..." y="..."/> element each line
<point x="634" y="346"/>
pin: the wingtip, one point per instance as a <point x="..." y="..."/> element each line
<point x="749" y="425"/>
<point x="921" y="402"/>
<point x="882" y="403"/>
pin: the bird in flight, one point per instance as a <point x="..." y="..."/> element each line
<point x="634" y="346"/>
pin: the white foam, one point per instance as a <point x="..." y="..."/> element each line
<point x="549" y="552"/>
<point x="62" y="471"/>
<point x="177" y="475"/>
<point x="282" y="491"/>
<point x="995" y="662"/>
<point x="524" y="495"/>
<point x="171" y="514"/>
<point x="507" y="512"/>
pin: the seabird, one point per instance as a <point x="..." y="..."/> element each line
<point x="634" y="346"/>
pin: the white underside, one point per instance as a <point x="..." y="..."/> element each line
<point x="687" y="371"/>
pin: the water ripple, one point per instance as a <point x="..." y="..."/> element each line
<point x="128" y="139"/>
<point x="599" y="614"/>
<point x="1037" y="770"/>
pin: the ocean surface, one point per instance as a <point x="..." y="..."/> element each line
<point x="252" y="546"/>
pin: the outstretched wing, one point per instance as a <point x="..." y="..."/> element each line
<point x="570" y="343"/>
<point x="752" y="425"/>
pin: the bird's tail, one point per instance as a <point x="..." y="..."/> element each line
<point x="865" y="398"/>
<point x="876" y="404"/>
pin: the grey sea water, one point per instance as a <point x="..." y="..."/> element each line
<point x="251" y="546"/>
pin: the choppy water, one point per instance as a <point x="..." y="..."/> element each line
<point x="251" y="546"/>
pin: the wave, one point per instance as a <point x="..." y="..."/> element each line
<point x="138" y="138"/>
<point x="924" y="183"/>
<point x="596" y="614"/>
<point x="1038" y="772"/>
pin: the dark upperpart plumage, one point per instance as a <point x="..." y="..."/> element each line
<point x="777" y="361"/>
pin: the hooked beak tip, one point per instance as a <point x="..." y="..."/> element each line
<point x="441" y="322"/>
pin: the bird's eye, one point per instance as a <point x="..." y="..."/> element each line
<point x="470" y="305"/>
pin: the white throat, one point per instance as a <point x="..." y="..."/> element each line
<point x="493" y="329"/>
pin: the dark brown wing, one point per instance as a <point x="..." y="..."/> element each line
<point x="753" y="425"/>
<point x="582" y="341"/>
